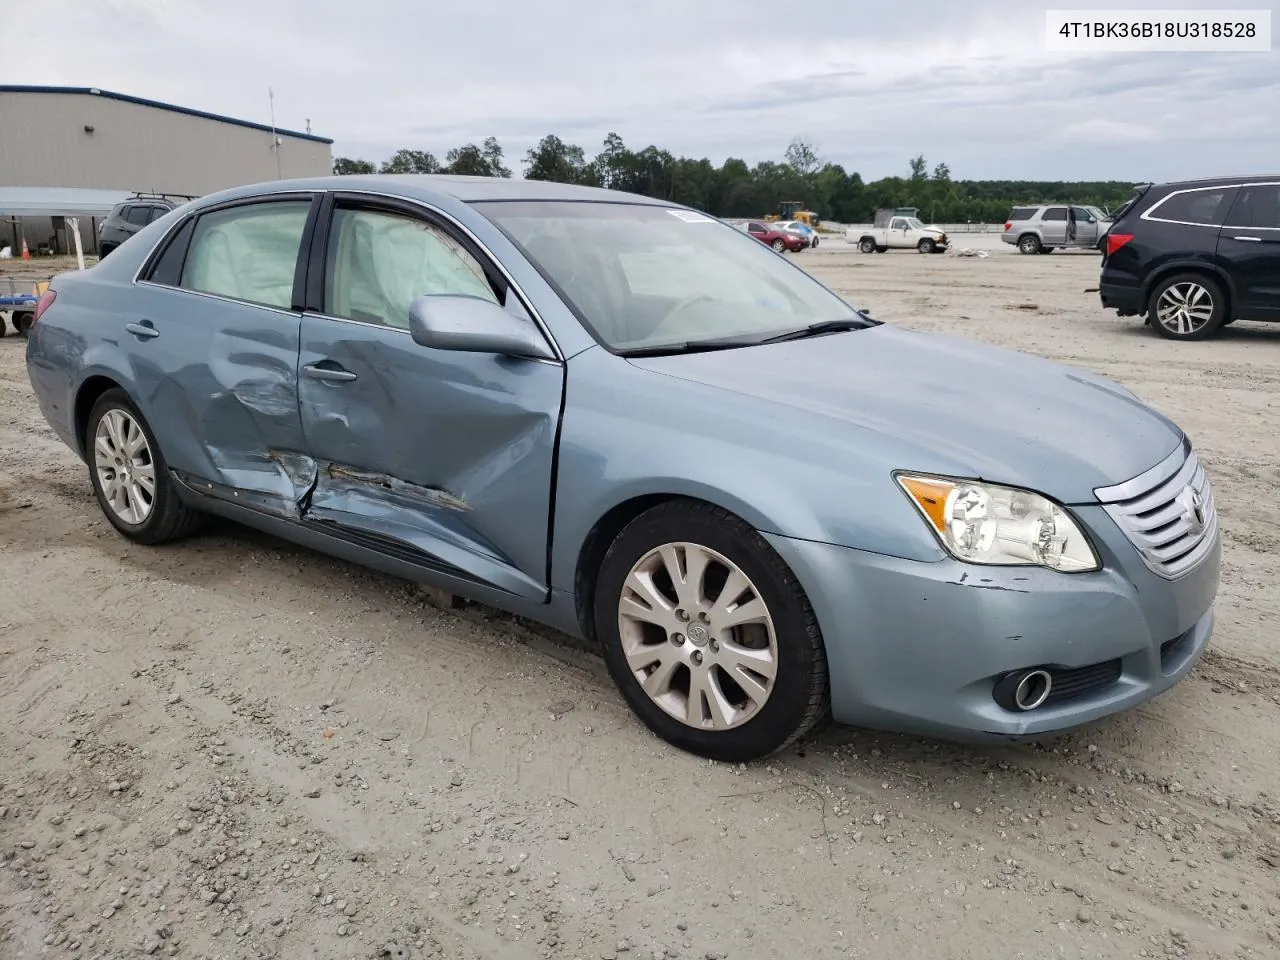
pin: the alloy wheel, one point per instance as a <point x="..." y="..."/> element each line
<point x="1184" y="308"/>
<point x="126" y="471"/>
<point x="697" y="636"/>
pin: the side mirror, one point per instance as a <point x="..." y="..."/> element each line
<point x="473" y="325"/>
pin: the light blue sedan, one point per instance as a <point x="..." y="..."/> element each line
<point x="628" y="420"/>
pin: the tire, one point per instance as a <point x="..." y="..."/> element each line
<point x="779" y="245"/>
<point x="1046" y="249"/>
<point x="22" y="322"/>
<point x="105" y="249"/>
<point x="815" y="243"/>
<point x="926" y="246"/>
<point x="1194" y="307"/>
<point x="167" y="517"/>
<point x="867" y="245"/>
<point x="749" y="726"/>
<point x="1028" y="243"/>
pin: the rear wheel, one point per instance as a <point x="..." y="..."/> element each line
<point x="1187" y="306"/>
<point x="867" y="245"/>
<point x="1029" y="243"/>
<point x="22" y="322"/>
<point x="708" y="634"/>
<point x="129" y="474"/>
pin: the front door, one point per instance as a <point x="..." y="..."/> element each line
<point x="1053" y="226"/>
<point x="1085" y="222"/>
<point x="1249" y="247"/>
<point x="441" y="457"/>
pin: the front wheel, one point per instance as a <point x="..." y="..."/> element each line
<point x="926" y="245"/>
<point x="1188" y="306"/>
<point x="708" y="634"/>
<point x="129" y="475"/>
<point x="779" y="245"/>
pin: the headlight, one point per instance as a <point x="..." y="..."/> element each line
<point x="989" y="524"/>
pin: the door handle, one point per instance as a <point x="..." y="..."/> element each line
<point x="332" y="374"/>
<point x="143" y="331"/>
<point x="1250" y="239"/>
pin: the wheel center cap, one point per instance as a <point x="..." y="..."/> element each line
<point x="698" y="634"/>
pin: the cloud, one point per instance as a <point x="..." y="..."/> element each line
<point x="971" y="84"/>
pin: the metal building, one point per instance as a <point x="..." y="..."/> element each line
<point x="86" y="137"/>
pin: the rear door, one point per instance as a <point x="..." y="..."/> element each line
<point x="1053" y="226"/>
<point x="1249" y="248"/>
<point x="439" y="457"/>
<point x="212" y="335"/>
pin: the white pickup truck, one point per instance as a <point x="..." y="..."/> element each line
<point x="899" y="233"/>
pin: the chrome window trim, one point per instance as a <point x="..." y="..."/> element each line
<point x="1147" y="215"/>
<point x="217" y="296"/>
<point x="397" y="198"/>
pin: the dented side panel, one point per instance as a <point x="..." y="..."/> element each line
<point x="219" y="387"/>
<point x="450" y="453"/>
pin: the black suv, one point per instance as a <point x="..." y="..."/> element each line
<point x="129" y="217"/>
<point x="1195" y="256"/>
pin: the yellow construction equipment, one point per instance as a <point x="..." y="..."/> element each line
<point x="793" y="210"/>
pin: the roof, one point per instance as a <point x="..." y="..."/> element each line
<point x="173" y="108"/>
<point x="465" y="189"/>
<point x="58" y="201"/>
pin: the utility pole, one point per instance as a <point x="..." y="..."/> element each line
<point x="275" y="140"/>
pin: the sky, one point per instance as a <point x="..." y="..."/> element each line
<point x="967" y="82"/>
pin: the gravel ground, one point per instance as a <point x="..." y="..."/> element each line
<point x="231" y="747"/>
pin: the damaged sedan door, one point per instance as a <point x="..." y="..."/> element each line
<point x="213" y="340"/>
<point x="440" y="458"/>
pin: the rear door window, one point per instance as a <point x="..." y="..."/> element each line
<point x="1054" y="213"/>
<point x="248" y="252"/>
<point x="1205" y="207"/>
<point x="1257" y="207"/>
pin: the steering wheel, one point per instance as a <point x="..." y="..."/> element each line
<point x="679" y="308"/>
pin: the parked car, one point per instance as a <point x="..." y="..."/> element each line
<point x="1195" y="256"/>
<point x="132" y="215"/>
<point x="623" y="418"/>
<point x="775" y="236"/>
<point x="1045" y="227"/>
<point x="803" y="229"/>
<point x="898" y="233"/>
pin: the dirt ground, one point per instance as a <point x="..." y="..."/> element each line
<point x="230" y="747"/>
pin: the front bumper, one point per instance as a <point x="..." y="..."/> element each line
<point x="918" y="647"/>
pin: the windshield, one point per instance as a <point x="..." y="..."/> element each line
<point x="643" y="276"/>
<point x="914" y="223"/>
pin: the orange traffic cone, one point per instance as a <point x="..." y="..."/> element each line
<point x="26" y="254"/>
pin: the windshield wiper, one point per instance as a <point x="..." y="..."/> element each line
<point x="817" y="329"/>
<point x="690" y="346"/>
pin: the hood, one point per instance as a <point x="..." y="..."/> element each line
<point x="952" y="406"/>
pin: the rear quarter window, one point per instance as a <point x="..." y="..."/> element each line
<point x="1023" y="213"/>
<point x="1206" y="207"/>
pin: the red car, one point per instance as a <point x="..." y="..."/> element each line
<point x="778" y="239"/>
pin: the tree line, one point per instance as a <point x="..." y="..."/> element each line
<point x="736" y="189"/>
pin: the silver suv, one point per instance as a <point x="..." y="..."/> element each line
<point x="1039" y="229"/>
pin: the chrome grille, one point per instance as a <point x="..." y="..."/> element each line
<point x="1158" y="513"/>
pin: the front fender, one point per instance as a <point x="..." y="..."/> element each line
<point x="629" y="433"/>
